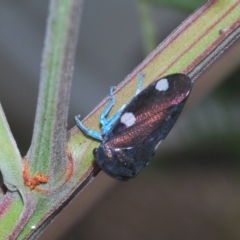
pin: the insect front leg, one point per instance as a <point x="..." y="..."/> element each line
<point x="103" y="120"/>
<point x="87" y="131"/>
<point x="139" y="86"/>
<point x="107" y="123"/>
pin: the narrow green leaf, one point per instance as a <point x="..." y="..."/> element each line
<point x="186" y="5"/>
<point x="147" y="26"/>
<point x="10" y="159"/>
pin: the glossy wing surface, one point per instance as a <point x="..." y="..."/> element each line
<point x="149" y="110"/>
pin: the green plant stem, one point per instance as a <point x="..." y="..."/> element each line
<point x="147" y="26"/>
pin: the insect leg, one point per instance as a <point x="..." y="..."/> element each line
<point x="87" y="131"/>
<point x="139" y="86"/>
<point x="103" y="120"/>
<point x="107" y="123"/>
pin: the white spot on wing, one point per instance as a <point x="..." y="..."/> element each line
<point x="158" y="145"/>
<point x="128" y="119"/>
<point x="162" y="85"/>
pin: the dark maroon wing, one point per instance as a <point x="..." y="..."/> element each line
<point x="145" y="122"/>
<point x="155" y="109"/>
